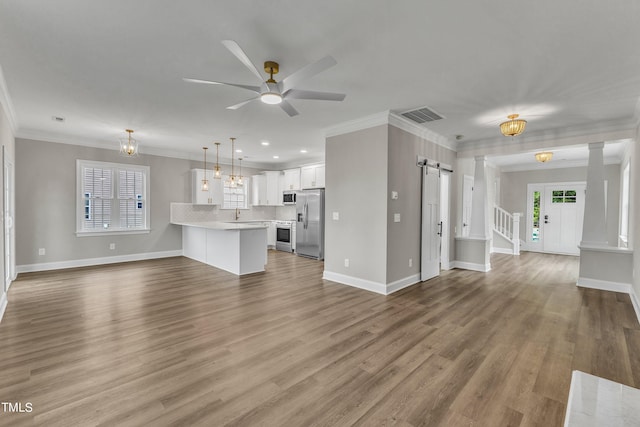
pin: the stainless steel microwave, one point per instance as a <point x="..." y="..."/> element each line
<point x="288" y="197"/>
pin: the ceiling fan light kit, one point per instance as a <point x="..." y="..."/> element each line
<point x="514" y="126"/>
<point x="277" y="93"/>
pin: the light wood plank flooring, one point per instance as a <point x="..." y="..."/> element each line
<point x="176" y="342"/>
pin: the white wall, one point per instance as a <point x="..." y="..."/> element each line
<point x="7" y="141"/>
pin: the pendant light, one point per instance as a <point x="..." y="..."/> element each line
<point x="217" y="173"/>
<point x="232" y="182"/>
<point x="514" y="126"/>
<point x="205" y="181"/>
<point x="128" y="145"/>
<point x="240" y="180"/>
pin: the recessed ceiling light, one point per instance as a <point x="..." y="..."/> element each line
<point x="303" y="151"/>
<point x="265" y="143"/>
<point x="276" y="157"/>
<point x="238" y="151"/>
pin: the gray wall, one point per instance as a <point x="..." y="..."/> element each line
<point x="634" y="224"/>
<point x="356" y="187"/>
<point x="46" y="203"/>
<point x="514" y="192"/>
<point x="403" y="238"/>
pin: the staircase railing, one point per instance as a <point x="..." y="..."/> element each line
<point x="508" y="226"/>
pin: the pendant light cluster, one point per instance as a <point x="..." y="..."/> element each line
<point x="233" y="180"/>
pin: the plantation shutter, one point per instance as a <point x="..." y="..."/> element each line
<point x="97" y="190"/>
<point x="131" y="198"/>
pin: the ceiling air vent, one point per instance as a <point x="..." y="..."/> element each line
<point x="422" y="115"/>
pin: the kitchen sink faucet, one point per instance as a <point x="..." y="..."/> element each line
<point x="237" y="213"/>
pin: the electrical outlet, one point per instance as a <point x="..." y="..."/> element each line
<point x="112" y="246"/>
<point x="336" y="216"/>
<point x="346" y="262"/>
<point x="394" y="195"/>
<point x="41" y="251"/>
<point x="410" y="262"/>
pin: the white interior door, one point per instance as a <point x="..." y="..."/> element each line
<point x="562" y="217"/>
<point x="467" y="192"/>
<point x="430" y="254"/>
<point x="445" y="179"/>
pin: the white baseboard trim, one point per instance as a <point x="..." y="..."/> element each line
<point x="3" y="304"/>
<point x="603" y="285"/>
<point x="484" y="268"/>
<point x="625" y="288"/>
<point x="27" y="268"/>
<point x="402" y="283"/>
<point x="505" y="251"/>
<point x="356" y="282"/>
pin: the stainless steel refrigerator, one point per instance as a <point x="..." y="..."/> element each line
<point x="310" y="223"/>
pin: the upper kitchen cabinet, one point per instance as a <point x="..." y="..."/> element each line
<point x="291" y="179"/>
<point x="213" y="196"/>
<point x="266" y="189"/>
<point x="312" y="176"/>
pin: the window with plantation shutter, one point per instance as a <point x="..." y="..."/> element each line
<point x="112" y="198"/>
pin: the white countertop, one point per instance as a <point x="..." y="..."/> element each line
<point x="220" y="225"/>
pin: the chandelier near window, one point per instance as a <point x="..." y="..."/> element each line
<point x="128" y="145"/>
<point x="514" y="126"/>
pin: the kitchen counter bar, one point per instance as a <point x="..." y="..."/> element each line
<point x="239" y="248"/>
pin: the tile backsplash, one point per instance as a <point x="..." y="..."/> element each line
<point x="187" y="212"/>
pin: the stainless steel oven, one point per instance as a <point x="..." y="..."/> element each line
<point x="284" y="236"/>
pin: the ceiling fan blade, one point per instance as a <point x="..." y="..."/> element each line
<point x="239" y="53"/>
<point x="288" y="108"/>
<point x="255" y="89"/>
<point x="241" y="104"/>
<point x="305" y="73"/>
<point x="309" y="94"/>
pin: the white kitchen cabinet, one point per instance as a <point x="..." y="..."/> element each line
<point x="266" y="189"/>
<point x="312" y="176"/>
<point x="271" y="234"/>
<point x="215" y="194"/>
<point x="291" y="179"/>
<point x="258" y="190"/>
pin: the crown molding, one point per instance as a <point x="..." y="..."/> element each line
<point x="355" y="125"/>
<point x="389" y="118"/>
<point x="112" y="146"/>
<point x="5" y="101"/>
<point x="421" y="132"/>
<point x="601" y="131"/>
<point x="561" y="164"/>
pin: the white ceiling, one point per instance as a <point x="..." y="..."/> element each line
<point x="109" y="65"/>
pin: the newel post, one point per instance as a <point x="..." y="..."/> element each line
<point x="516" y="233"/>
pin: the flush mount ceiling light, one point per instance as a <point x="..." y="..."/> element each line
<point x="544" y="156"/>
<point x="128" y="145"/>
<point x="205" y="181"/>
<point x="514" y="126"/>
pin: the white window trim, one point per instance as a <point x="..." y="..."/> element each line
<point x="80" y="200"/>
<point x="247" y="194"/>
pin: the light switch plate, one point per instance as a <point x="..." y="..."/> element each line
<point x="394" y="195"/>
<point x="396" y="217"/>
<point x="336" y="216"/>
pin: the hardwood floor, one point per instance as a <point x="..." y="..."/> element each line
<point x="176" y="342"/>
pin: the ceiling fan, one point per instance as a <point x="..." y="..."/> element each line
<point x="273" y="92"/>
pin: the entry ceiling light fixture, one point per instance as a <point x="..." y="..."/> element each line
<point x="205" y="181"/>
<point x="514" y="126"/>
<point x="217" y="173"/>
<point x="128" y="145"/>
<point x="544" y="156"/>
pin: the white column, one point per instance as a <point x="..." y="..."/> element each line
<point x="594" y="229"/>
<point x="516" y="233"/>
<point x="479" y="226"/>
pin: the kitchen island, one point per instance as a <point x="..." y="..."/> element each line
<point x="239" y="248"/>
